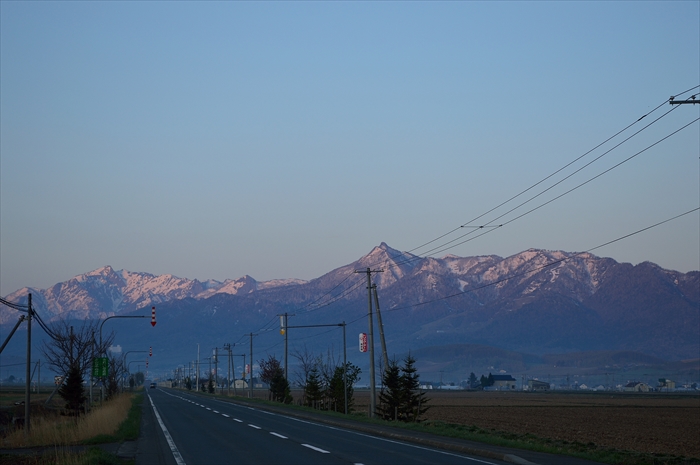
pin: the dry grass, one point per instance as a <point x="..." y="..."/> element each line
<point x="64" y="431"/>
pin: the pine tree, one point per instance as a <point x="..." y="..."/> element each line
<point x="391" y="397"/>
<point x="312" y="388"/>
<point x="72" y="391"/>
<point x="335" y="389"/>
<point x="279" y="388"/>
<point x="414" y="400"/>
<point x="472" y="380"/>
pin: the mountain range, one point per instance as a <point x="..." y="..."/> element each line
<point x="535" y="302"/>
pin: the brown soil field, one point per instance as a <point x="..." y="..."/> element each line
<point x="651" y="423"/>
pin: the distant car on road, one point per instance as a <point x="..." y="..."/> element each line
<point x="153" y="385"/>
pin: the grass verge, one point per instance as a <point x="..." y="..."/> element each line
<point x="128" y="429"/>
<point x="116" y="421"/>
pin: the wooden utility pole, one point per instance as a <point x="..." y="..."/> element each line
<point x="385" y="357"/>
<point x="27" y="393"/>
<point x="251" y="365"/>
<point x="372" y="382"/>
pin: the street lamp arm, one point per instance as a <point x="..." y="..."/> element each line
<point x="116" y="316"/>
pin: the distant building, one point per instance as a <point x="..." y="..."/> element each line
<point x="666" y="384"/>
<point x="536" y="385"/>
<point x="503" y="382"/>
<point x="636" y="386"/>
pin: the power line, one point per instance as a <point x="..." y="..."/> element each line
<point x="492" y="228"/>
<point x="443" y="248"/>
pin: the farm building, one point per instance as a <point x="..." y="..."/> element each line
<point x="636" y="386"/>
<point x="503" y="382"/>
<point x="536" y="385"/>
<point x="666" y="384"/>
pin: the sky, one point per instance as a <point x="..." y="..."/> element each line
<point x="211" y="140"/>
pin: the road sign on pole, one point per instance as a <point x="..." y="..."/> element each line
<point x="100" y="367"/>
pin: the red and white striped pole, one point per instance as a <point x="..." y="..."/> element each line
<point x="153" y="316"/>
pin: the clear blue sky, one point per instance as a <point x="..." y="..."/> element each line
<point x="284" y="139"/>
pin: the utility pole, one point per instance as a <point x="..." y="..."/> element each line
<point x="381" y="328"/>
<point x="283" y="331"/>
<point x="372" y="382"/>
<point x="227" y="347"/>
<point x="27" y="387"/>
<point x="197" y="376"/>
<point x="682" y="102"/>
<point x="216" y="367"/>
<point x="345" y="357"/>
<point x="250" y="386"/>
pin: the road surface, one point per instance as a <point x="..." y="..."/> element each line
<point x="181" y="428"/>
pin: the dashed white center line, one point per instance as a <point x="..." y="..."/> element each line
<point x="223" y="414"/>
<point x="278" y="435"/>
<point x="208" y="409"/>
<point x="253" y="426"/>
<point x="215" y="411"/>
<point x="239" y="421"/>
<point x="316" y="449"/>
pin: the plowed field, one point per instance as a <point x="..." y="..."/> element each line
<point x="652" y="423"/>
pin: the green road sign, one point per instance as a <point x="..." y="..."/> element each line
<point x="100" y="367"/>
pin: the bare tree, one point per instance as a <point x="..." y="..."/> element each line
<point x="77" y="345"/>
<point x="307" y="362"/>
<point x="116" y="372"/>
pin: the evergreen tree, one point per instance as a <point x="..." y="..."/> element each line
<point x="272" y="373"/>
<point x="210" y="386"/>
<point x="413" y="399"/>
<point x="72" y="391"/>
<point x="472" y="380"/>
<point x="279" y="388"/>
<point x="312" y="388"/>
<point x="391" y="397"/>
<point x="335" y="388"/>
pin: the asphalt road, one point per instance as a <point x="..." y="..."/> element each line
<point x="181" y="428"/>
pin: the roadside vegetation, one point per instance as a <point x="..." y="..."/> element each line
<point x="116" y="420"/>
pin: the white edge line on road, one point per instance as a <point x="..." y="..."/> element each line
<point x="278" y="435"/>
<point x="316" y="449"/>
<point x="171" y="443"/>
<point x="352" y="432"/>
<point x="378" y="438"/>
